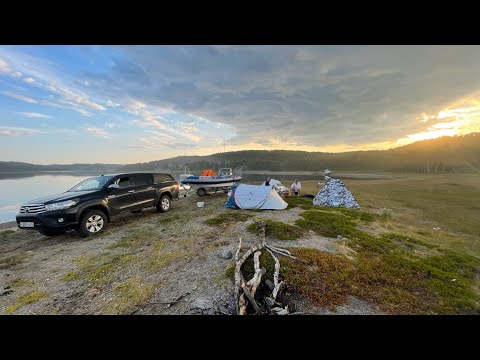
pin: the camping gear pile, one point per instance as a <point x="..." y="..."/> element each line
<point x="279" y="187"/>
<point x="259" y="295"/>
<point x="208" y="172"/>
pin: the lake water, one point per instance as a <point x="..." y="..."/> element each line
<point x="16" y="191"/>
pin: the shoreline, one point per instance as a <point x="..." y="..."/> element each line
<point x="8" y="225"/>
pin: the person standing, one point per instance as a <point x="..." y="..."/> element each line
<point x="267" y="182"/>
<point x="296" y="187"/>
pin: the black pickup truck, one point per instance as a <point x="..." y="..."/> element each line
<point x="89" y="206"/>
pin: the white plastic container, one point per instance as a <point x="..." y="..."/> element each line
<point x="200" y="204"/>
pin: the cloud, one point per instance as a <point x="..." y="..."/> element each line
<point x="19" y="97"/>
<point x="311" y="95"/>
<point x="47" y="75"/>
<point x="33" y="115"/>
<point x="4" y="68"/>
<point x="187" y="135"/>
<point x="65" y="131"/>
<point x="30" y="80"/>
<point x="109" y="125"/>
<point x="112" y="104"/>
<point x="60" y="106"/>
<point x="150" y="121"/>
<point x="17" y="131"/>
<point x="161" y="135"/>
<point x="98" y="132"/>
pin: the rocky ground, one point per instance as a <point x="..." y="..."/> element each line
<point x="142" y="262"/>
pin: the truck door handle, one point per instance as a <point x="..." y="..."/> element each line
<point x="131" y="191"/>
<point x="150" y="188"/>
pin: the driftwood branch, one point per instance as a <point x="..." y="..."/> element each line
<point x="238" y="273"/>
<point x="242" y="305"/>
<point x="280" y="249"/>
<point x="237" y="254"/>
<point x="257" y="277"/>
<point x="169" y="303"/>
<point x="279" y="252"/>
<point x="276" y="285"/>
<point x="176" y="300"/>
<point x="250" y="298"/>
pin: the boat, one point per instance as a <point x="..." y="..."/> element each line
<point x="210" y="179"/>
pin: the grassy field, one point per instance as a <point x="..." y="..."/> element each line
<point x="420" y="203"/>
<point x="414" y="248"/>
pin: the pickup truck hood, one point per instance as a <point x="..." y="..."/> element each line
<point x="59" y="197"/>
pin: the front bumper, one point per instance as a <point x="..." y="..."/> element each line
<point x="48" y="220"/>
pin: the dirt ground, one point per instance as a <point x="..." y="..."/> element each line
<point x="141" y="262"/>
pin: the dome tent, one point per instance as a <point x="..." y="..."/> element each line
<point x="335" y="193"/>
<point x="231" y="199"/>
<point x="258" y="197"/>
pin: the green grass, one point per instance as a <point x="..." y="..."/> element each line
<point x="389" y="272"/>
<point x="278" y="230"/>
<point x="18" y="283"/>
<point x="230" y="271"/>
<point x="324" y="278"/>
<point x="135" y="238"/>
<point x="6" y="233"/>
<point x="228" y="217"/>
<point x="169" y="219"/>
<point x="15" y="260"/>
<point x="158" y="257"/>
<point x="129" y="293"/>
<point x="452" y="200"/>
<point x="25" y="299"/>
<point x="329" y="223"/>
<point x="98" y="270"/>
<point x="300" y="202"/>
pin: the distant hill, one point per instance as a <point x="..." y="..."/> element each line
<point x="445" y="154"/>
<point x="13" y="166"/>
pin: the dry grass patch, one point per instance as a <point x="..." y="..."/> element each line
<point x="25" y="299"/>
<point x="129" y="293"/>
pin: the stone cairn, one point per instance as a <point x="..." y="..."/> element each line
<point x="335" y="193"/>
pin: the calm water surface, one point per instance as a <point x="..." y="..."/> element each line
<point x="15" y="192"/>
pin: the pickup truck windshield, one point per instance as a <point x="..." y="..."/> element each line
<point x="95" y="183"/>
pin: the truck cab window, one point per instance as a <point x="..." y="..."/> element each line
<point x="123" y="182"/>
<point x="140" y="180"/>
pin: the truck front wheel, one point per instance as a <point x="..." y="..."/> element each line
<point x="91" y="223"/>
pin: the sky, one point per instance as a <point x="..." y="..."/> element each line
<point x="129" y="104"/>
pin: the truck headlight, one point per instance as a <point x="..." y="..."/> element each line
<point x="61" y="205"/>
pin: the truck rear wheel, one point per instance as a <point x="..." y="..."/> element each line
<point x="91" y="223"/>
<point x="164" y="203"/>
<point x="201" y="192"/>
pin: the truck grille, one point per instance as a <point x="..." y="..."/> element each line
<point x="33" y="209"/>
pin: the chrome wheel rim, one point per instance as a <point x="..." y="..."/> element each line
<point x="165" y="203"/>
<point x="94" y="223"/>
